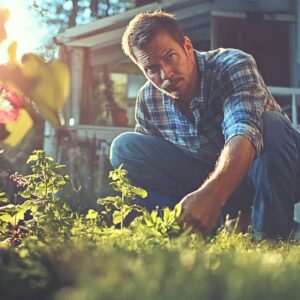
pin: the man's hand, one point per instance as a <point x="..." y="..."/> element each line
<point x="200" y="211"/>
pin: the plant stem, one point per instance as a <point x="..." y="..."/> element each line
<point x="122" y="203"/>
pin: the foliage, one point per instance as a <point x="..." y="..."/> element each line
<point x="46" y="84"/>
<point x="71" y="12"/>
<point x="165" y="225"/>
<point x="62" y="14"/>
<point x="122" y="205"/>
<point x="10" y="105"/>
<point x="49" y="251"/>
<point x="26" y="86"/>
<point x="45" y="215"/>
<point x="48" y="212"/>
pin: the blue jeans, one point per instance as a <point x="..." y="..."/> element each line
<point x="270" y="188"/>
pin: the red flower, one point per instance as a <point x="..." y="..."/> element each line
<point x="10" y="105"/>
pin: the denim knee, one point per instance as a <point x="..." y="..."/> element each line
<point x="274" y="177"/>
<point x="278" y="132"/>
<point x="117" y="147"/>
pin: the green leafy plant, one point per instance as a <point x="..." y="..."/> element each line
<point x="122" y="205"/>
<point x="158" y="223"/>
<point x="47" y="211"/>
<point x="163" y="223"/>
<point x="48" y="251"/>
<point x="11" y="231"/>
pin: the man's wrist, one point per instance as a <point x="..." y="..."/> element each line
<point x="213" y="187"/>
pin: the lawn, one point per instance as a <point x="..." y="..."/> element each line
<point x="49" y="251"/>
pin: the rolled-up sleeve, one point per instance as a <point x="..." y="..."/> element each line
<point x="244" y="94"/>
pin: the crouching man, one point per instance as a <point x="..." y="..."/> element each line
<point x="209" y="134"/>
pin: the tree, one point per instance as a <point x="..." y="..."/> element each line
<point x="63" y="14"/>
<point x="58" y="15"/>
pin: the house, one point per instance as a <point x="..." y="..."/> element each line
<point x="268" y="29"/>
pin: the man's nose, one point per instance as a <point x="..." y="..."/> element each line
<point x="166" y="72"/>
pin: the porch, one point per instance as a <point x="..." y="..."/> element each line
<point x="103" y="78"/>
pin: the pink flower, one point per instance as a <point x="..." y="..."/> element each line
<point x="19" y="179"/>
<point x="10" y="105"/>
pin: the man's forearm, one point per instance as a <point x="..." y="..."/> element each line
<point x="233" y="163"/>
<point x="201" y="208"/>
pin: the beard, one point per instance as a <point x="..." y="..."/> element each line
<point x="166" y="88"/>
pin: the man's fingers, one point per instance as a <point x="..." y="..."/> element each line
<point x="185" y="222"/>
<point x="181" y="219"/>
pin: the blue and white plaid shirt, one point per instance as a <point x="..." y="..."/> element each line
<point x="231" y="100"/>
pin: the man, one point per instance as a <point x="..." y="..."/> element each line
<point x="209" y="134"/>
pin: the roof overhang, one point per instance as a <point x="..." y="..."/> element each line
<point x="109" y="30"/>
<point x="103" y="37"/>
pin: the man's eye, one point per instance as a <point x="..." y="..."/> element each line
<point x="151" y="70"/>
<point x="172" y="57"/>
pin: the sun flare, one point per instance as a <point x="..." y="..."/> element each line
<point x="22" y="28"/>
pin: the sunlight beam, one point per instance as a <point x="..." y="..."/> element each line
<point x="22" y="28"/>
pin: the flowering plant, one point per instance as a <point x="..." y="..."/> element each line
<point x="10" y="105"/>
<point x="44" y="84"/>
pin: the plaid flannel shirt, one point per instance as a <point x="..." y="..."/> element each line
<point x="231" y="100"/>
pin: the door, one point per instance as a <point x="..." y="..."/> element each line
<point x="268" y="42"/>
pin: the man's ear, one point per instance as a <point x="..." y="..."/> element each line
<point x="187" y="44"/>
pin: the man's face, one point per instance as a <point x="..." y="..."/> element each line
<point x="168" y="65"/>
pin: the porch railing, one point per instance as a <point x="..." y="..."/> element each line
<point x="294" y="94"/>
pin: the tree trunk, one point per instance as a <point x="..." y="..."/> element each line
<point x="94" y="7"/>
<point x="73" y="16"/>
<point x="107" y="8"/>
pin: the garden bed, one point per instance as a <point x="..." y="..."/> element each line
<point x="48" y="251"/>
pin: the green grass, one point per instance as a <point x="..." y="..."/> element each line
<point x="132" y="266"/>
<point x="58" y="253"/>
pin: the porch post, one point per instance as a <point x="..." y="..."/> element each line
<point x="297" y="50"/>
<point x="77" y="64"/>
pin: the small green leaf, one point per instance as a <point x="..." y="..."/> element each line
<point x="19" y="216"/>
<point x="6" y="218"/>
<point x="115" y="201"/>
<point x="117" y="217"/>
<point x="139" y="191"/>
<point x="114" y="176"/>
<point x="32" y="158"/>
<point x="92" y="214"/>
<point x="148" y="221"/>
<point x="27" y="204"/>
<point x="153" y="216"/>
<point x="167" y="214"/>
<point x="24" y="253"/>
<point x="9" y="207"/>
<point x="178" y="209"/>
<point x="2" y="198"/>
<point x="5" y="244"/>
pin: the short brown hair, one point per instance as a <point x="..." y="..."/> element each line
<point x="143" y="28"/>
